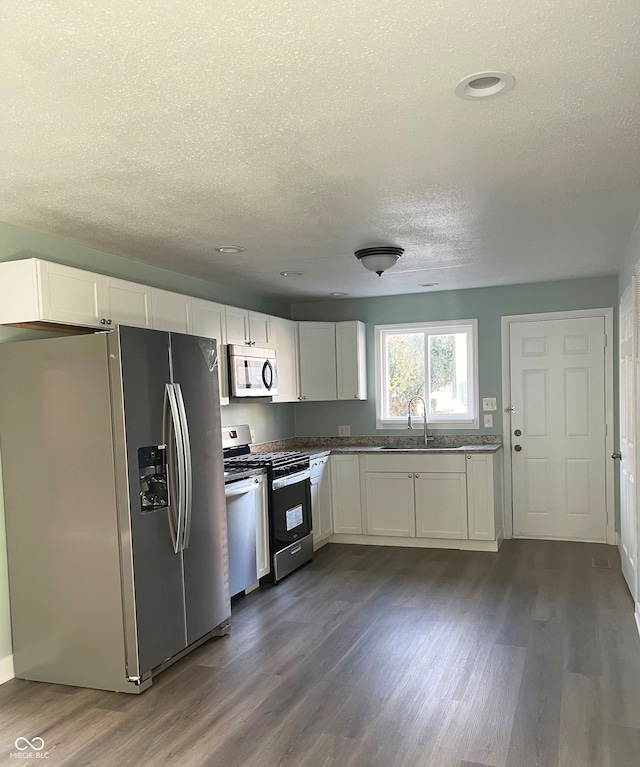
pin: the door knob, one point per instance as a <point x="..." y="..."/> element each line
<point x="616" y="456"/>
<point x="517" y="448"/>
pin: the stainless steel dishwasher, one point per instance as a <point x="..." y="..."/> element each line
<point x="242" y="503"/>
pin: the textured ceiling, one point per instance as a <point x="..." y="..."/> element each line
<point x="304" y="131"/>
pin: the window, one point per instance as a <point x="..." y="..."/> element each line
<point x="435" y="361"/>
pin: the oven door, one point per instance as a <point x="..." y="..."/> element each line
<point x="290" y="518"/>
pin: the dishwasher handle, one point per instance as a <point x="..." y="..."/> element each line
<point x="242" y="487"/>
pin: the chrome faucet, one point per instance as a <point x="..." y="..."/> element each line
<point x="427" y="438"/>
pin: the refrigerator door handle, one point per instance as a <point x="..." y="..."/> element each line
<point x="188" y="476"/>
<point x="172" y="435"/>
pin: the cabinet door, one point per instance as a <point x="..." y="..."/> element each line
<point x="350" y="360"/>
<point x="259" y="331"/>
<point x="317" y="354"/>
<point x="237" y="325"/>
<point x="441" y="505"/>
<point x="315" y="511"/>
<point x="128" y="303"/>
<point x="262" y="530"/>
<point x="207" y="319"/>
<point x="321" y="506"/>
<point x="72" y="296"/>
<point x="284" y="341"/>
<point x="171" y="311"/>
<point x="481" y="498"/>
<point x="345" y="494"/>
<point x="324" y="499"/>
<point x="390" y="508"/>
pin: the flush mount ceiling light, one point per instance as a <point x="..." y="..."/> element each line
<point x="428" y="284"/>
<point x="291" y="274"/>
<point x="379" y="259"/>
<point x="338" y="294"/>
<point x="230" y="249"/>
<point x="481" y="85"/>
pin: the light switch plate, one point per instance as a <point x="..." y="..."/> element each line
<point x="488" y="421"/>
<point x="344" y="431"/>
<point x="489" y="403"/>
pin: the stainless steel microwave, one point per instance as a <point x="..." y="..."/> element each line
<point x="252" y="372"/>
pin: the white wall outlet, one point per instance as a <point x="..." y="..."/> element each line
<point x="489" y="403"/>
<point x="488" y="421"/>
<point x="344" y="431"/>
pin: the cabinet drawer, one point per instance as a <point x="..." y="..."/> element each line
<point x="440" y="462"/>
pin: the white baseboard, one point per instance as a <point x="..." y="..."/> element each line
<point x="6" y="669"/>
<point x="636" y="615"/>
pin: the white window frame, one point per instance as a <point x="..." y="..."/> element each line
<point x="433" y="422"/>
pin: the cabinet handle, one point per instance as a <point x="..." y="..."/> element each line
<point x="103" y="321"/>
<point x="409" y="475"/>
<point x="108" y="322"/>
<point x="468" y="458"/>
<point x="417" y="476"/>
<point x="355" y="396"/>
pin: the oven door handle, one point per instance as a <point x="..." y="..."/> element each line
<point x="291" y="479"/>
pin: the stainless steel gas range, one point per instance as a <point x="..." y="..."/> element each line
<point x="289" y="498"/>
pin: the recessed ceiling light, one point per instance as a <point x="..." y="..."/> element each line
<point x="428" y="284"/>
<point x="292" y="274"/>
<point x="481" y="85"/>
<point x="230" y="249"/>
<point x="338" y="294"/>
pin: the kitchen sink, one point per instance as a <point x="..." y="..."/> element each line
<point x="414" y="447"/>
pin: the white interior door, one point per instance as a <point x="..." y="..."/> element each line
<point x="628" y="508"/>
<point x="558" y="429"/>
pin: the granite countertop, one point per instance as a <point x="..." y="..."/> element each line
<point x="480" y="448"/>
<point x="317" y="447"/>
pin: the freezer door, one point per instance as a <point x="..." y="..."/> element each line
<point x="206" y="566"/>
<point x="157" y="588"/>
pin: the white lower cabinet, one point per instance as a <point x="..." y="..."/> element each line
<point x="321" y="506"/>
<point x="262" y="529"/>
<point x="441" y="505"/>
<point x="345" y="494"/>
<point x="436" y="497"/>
<point x="390" y="504"/>
<point x="484" y="497"/>
<point x="426" y="505"/>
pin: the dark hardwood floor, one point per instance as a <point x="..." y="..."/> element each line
<point x="381" y="657"/>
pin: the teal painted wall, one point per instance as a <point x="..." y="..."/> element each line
<point x="488" y="305"/>
<point x="270" y="422"/>
<point x="631" y="258"/>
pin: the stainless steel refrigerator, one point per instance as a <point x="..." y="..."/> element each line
<point x="114" y="502"/>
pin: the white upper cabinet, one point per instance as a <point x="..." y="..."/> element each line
<point x="284" y="341"/>
<point x="245" y="327"/>
<point x="171" y="311"/>
<point x="208" y="320"/>
<point x="317" y="355"/>
<point x="128" y="303"/>
<point x="72" y="295"/>
<point x="40" y="291"/>
<point x="237" y="324"/>
<point x="259" y="329"/>
<point x="351" y="360"/>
